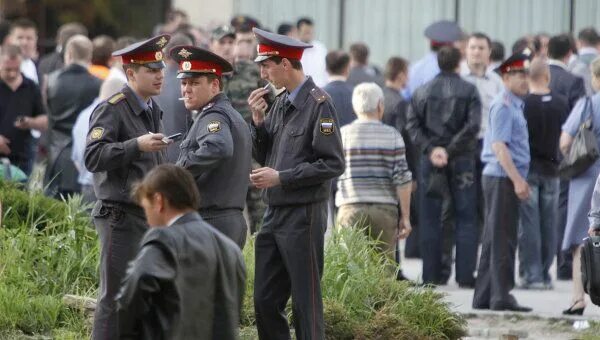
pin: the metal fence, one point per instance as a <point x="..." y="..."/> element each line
<point x="395" y="27"/>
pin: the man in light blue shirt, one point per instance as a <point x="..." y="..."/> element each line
<point x="506" y="157"/>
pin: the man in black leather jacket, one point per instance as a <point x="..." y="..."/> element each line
<point x="187" y="281"/>
<point x="443" y="121"/>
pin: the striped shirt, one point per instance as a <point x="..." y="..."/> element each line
<point x="375" y="164"/>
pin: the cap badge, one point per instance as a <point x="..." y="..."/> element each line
<point x="186" y="66"/>
<point x="161" y="42"/>
<point x="158" y="55"/>
<point x="185" y="53"/>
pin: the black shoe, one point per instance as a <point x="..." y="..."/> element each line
<point x="571" y="311"/>
<point x="400" y="277"/>
<point x="512" y="307"/>
<point x="481" y="307"/>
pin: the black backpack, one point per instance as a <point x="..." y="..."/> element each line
<point x="590" y="268"/>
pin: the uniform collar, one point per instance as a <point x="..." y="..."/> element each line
<point x="292" y="95"/>
<point x="136" y="102"/>
<point x="217" y="98"/>
<point x="298" y="96"/>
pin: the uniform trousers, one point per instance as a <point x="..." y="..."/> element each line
<point x="495" y="277"/>
<point x="120" y="231"/>
<point x="230" y="222"/>
<point x="289" y="261"/>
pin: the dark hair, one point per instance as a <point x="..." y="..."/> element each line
<point x="174" y="13"/>
<point x="559" y="46"/>
<point x="4" y="31"/>
<point x="175" y="183"/>
<point x="359" y="52"/>
<point x="210" y="77"/>
<point x="284" y="28"/>
<point x="296" y="64"/>
<point x="185" y="29"/>
<point x="337" y="62"/>
<point x="589" y="36"/>
<point x="497" y="51"/>
<point x="104" y="46"/>
<point x="448" y="58"/>
<point x="304" y="21"/>
<point x="480" y="35"/>
<point x="134" y="67"/>
<point x="395" y="66"/>
<point x="23" y="23"/>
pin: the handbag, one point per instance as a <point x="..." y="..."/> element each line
<point x="584" y="150"/>
<point x="590" y="268"/>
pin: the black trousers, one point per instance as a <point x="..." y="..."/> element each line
<point x="564" y="259"/>
<point x="120" y="232"/>
<point x="230" y="222"/>
<point x="289" y="261"/>
<point x="495" y="277"/>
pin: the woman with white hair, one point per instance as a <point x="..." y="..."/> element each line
<point x="376" y="178"/>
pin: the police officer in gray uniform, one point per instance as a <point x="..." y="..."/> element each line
<point x="218" y="148"/>
<point x="124" y="142"/>
<point x="299" y="146"/>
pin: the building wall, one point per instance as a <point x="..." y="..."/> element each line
<point x="395" y="27"/>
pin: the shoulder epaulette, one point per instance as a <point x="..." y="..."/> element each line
<point x="116" y="98"/>
<point x="318" y="94"/>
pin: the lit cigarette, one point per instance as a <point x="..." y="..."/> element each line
<point x="182" y="98"/>
<point x="266" y="86"/>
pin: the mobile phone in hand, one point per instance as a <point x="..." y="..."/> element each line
<point x="174" y="137"/>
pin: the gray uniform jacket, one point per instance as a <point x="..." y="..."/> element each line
<point x="303" y="143"/>
<point x="112" y="153"/>
<point x="187" y="282"/>
<point x="217" y="151"/>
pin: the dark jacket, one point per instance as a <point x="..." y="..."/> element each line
<point x="303" y="143"/>
<point x="565" y="83"/>
<point x="187" y="282"/>
<point x="341" y="96"/>
<point x="365" y="74"/>
<point x="217" y="151"/>
<point x="445" y="112"/>
<point x="112" y="153"/>
<point x="70" y="90"/>
<point x="394" y="114"/>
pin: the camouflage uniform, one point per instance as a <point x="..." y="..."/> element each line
<point x="238" y="86"/>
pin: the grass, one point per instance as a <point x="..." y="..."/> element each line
<point x="47" y="249"/>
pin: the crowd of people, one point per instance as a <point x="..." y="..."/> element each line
<point x="458" y="150"/>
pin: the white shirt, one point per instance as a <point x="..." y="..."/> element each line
<point x="29" y="69"/>
<point x="489" y="86"/>
<point x="313" y="63"/>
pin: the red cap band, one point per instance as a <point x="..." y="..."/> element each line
<point x="142" y="57"/>
<point x="517" y="65"/>
<point x="200" y="67"/>
<point x="280" y="51"/>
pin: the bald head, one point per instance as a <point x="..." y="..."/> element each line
<point x="539" y="71"/>
<point x="79" y="49"/>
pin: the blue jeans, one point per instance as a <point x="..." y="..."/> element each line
<point x="460" y="177"/>
<point x="537" y="229"/>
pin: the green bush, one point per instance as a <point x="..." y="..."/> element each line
<point x="47" y="249"/>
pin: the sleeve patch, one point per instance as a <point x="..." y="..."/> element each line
<point x="214" y="126"/>
<point x="97" y="133"/>
<point x="327" y="126"/>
